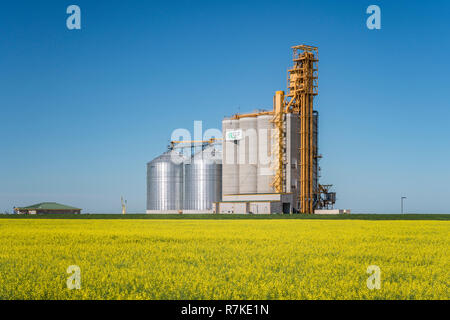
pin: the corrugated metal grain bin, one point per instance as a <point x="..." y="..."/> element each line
<point x="203" y="180"/>
<point x="165" y="182"/>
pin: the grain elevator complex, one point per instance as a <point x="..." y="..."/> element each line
<point x="266" y="161"/>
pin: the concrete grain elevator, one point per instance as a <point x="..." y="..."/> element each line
<point x="269" y="159"/>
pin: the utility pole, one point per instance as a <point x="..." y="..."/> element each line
<point x="124" y="205"/>
<point x="402" y="198"/>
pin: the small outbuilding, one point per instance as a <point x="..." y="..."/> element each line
<point x="48" y="208"/>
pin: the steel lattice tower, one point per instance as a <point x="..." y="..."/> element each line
<point x="302" y="88"/>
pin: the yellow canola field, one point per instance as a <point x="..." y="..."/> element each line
<point x="223" y="259"/>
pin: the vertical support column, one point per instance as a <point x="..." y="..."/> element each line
<point x="303" y="175"/>
<point x="278" y="108"/>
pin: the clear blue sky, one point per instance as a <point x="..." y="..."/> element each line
<point x="82" y="112"/>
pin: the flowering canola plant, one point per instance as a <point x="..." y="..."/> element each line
<point x="223" y="259"/>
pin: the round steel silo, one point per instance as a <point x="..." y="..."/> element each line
<point x="230" y="165"/>
<point x="165" y="182"/>
<point x="203" y="180"/>
<point x="265" y="173"/>
<point x="248" y="155"/>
